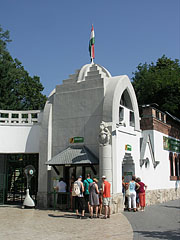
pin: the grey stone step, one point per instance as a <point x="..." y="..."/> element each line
<point x="93" y="68"/>
<point x="69" y="80"/>
<point x="98" y="77"/>
<point x="93" y="73"/>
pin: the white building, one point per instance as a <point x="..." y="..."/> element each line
<point x="91" y="123"/>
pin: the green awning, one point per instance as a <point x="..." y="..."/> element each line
<point x="74" y="155"/>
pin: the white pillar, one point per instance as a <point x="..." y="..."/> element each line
<point x="105" y="156"/>
<point x="105" y="162"/>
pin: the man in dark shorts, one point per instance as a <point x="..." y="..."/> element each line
<point x="79" y="200"/>
<point x="86" y="183"/>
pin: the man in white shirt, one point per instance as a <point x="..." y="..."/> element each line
<point x="61" y="186"/>
<point x="61" y="198"/>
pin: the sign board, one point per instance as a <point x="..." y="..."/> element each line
<point x="76" y="140"/>
<point x="171" y="144"/>
<point x="127" y="173"/>
<point x="128" y="147"/>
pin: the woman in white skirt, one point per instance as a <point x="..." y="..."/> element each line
<point x="133" y="186"/>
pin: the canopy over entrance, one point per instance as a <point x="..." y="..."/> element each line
<point x="74" y="155"/>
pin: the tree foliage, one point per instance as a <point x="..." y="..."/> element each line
<point x="18" y="91"/>
<point x="159" y="83"/>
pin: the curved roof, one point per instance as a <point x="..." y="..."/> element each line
<point x="88" y="68"/>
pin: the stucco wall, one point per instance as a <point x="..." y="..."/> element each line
<point x="77" y="112"/>
<point x="159" y="177"/>
<point x="19" y="138"/>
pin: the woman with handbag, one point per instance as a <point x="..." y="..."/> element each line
<point x="132" y="187"/>
<point x="93" y="197"/>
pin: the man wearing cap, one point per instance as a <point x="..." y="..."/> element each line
<point x="79" y="200"/>
<point x="106" y="189"/>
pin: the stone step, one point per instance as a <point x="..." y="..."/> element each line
<point x="98" y="77"/>
<point x="93" y="68"/>
<point x="69" y="80"/>
<point x="93" y="73"/>
<point x="73" y="76"/>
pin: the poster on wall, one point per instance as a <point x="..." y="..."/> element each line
<point x="170" y="144"/>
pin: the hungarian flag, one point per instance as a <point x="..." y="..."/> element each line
<point x="91" y="44"/>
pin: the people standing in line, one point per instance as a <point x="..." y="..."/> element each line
<point x="71" y="182"/>
<point x="142" y="198"/>
<point x="132" y="196"/>
<point x="79" y="200"/>
<point x="100" y="201"/>
<point x="93" y="197"/>
<point x="61" y="188"/>
<point x="123" y="189"/>
<point x="106" y="189"/>
<point x="86" y="183"/>
<point x="137" y="196"/>
<point x="126" y="196"/>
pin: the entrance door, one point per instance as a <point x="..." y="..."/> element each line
<point x="68" y="173"/>
<point x="12" y="178"/>
<point x="128" y="167"/>
<point x="2" y="188"/>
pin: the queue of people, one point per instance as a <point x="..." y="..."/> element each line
<point x="134" y="194"/>
<point x="94" y="197"/>
<point x="88" y="193"/>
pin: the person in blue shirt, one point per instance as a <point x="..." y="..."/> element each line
<point x="86" y="183"/>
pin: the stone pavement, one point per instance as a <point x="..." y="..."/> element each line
<point x="161" y="221"/>
<point x="28" y="224"/>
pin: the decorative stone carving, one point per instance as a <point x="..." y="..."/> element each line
<point x="104" y="134"/>
<point x="144" y="161"/>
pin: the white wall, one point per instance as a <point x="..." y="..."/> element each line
<point x="159" y="177"/>
<point x="125" y="135"/>
<point x="19" y="138"/>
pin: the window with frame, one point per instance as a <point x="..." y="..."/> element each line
<point x="131" y="119"/>
<point x="174" y="166"/>
<point x="171" y="164"/>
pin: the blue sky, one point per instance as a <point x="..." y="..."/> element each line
<point x="51" y="37"/>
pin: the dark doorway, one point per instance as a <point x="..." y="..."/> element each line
<point x="15" y="180"/>
<point x="128" y="167"/>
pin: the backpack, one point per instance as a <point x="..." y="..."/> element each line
<point x="75" y="189"/>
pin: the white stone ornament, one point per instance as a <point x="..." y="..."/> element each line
<point x="104" y="134"/>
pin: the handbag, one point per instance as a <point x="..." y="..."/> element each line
<point x="127" y="192"/>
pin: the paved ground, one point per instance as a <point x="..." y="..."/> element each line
<point x="160" y="221"/>
<point x="157" y="222"/>
<point x="28" y="224"/>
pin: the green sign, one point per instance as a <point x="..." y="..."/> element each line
<point x="127" y="173"/>
<point x="76" y="140"/>
<point x="128" y="147"/>
<point x="171" y="144"/>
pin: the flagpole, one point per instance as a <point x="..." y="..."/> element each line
<point x="91" y="45"/>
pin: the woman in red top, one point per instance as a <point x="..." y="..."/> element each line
<point x="141" y="190"/>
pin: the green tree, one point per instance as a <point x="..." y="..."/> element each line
<point x="18" y="91"/>
<point x="159" y="83"/>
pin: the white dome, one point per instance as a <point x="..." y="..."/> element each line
<point x="87" y="68"/>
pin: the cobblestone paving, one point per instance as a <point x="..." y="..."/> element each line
<point x="28" y="224"/>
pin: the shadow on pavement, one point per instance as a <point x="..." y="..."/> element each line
<point x="63" y="216"/>
<point x="171" y="206"/>
<point x="170" y="235"/>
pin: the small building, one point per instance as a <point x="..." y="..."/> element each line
<point x="91" y="124"/>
